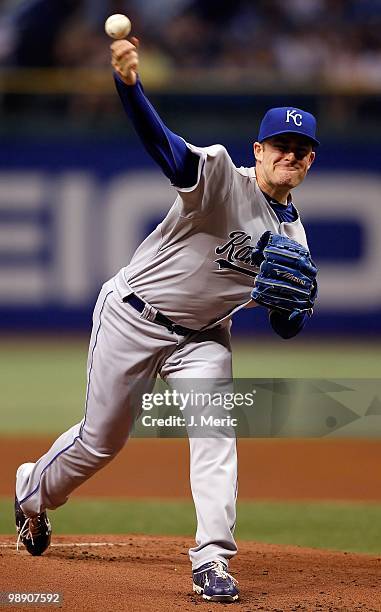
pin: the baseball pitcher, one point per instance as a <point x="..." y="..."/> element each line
<point x="232" y="239"/>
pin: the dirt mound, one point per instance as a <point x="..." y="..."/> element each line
<point x="150" y="574"/>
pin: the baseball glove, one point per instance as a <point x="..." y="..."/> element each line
<point x="286" y="282"/>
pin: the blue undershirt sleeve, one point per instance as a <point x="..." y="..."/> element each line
<point x="285" y="328"/>
<point x="168" y="150"/>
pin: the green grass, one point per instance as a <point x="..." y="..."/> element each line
<point x="43" y="385"/>
<point x="297" y="359"/>
<point x="351" y="527"/>
<point x="43" y="382"/>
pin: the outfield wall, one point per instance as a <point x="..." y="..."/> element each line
<point x="72" y="213"/>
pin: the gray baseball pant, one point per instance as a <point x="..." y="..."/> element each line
<point x="126" y="353"/>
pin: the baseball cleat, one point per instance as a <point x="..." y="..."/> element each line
<point x="34" y="532"/>
<point x="214" y="583"/>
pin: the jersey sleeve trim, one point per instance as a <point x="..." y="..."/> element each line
<point x="214" y="181"/>
<point x="202" y="155"/>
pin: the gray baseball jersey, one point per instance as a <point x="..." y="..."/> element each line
<point x="196" y="269"/>
<point x="195" y="266"/>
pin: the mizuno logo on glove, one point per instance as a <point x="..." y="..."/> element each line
<point x="289" y="276"/>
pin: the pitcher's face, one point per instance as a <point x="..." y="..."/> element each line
<point x="283" y="160"/>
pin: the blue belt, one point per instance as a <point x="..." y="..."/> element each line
<point x="160" y="319"/>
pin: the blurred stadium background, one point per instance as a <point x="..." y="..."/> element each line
<point x="78" y="192"/>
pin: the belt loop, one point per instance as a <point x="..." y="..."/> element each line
<point x="149" y="313"/>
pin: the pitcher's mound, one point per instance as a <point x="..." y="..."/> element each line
<point x="150" y="574"/>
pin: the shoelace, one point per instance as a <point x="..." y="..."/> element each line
<point x="221" y="572"/>
<point x="27" y="531"/>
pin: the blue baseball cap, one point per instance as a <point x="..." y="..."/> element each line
<point x="286" y="120"/>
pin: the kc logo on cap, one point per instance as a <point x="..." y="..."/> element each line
<point x="285" y="120"/>
<point x="295" y="116"/>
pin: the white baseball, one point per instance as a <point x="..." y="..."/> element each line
<point x="118" y="26"/>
